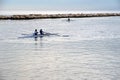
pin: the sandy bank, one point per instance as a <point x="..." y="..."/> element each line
<point x="52" y="16"/>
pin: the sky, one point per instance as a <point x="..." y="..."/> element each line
<point x="104" y="5"/>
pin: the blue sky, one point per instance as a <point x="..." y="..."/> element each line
<point x="62" y="4"/>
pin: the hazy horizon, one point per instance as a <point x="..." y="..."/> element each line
<point x="84" y="5"/>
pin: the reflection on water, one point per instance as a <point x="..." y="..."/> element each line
<point x="36" y="38"/>
<point x="38" y="41"/>
<point x="91" y="52"/>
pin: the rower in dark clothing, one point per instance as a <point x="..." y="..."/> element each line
<point x="68" y="19"/>
<point x="36" y="32"/>
<point x="41" y="32"/>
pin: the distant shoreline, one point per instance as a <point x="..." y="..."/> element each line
<point x="53" y="16"/>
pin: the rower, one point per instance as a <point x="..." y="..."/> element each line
<point x="36" y="32"/>
<point x="68" y="19"/>
<point x="41" y="32"/>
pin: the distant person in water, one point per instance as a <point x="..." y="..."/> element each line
<point x="36" y="32"/>
<point x="41" y="32"/>
<point x="68" y="19"/>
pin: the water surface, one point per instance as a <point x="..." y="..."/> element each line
<point x="90" y="52"/>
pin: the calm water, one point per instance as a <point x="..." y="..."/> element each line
<point x="90" y="51"/>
